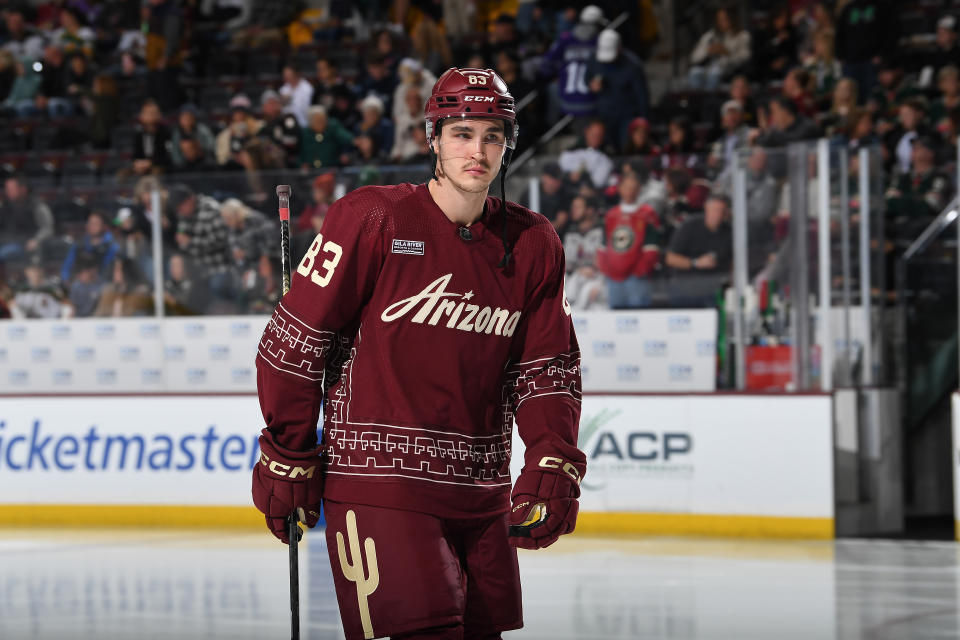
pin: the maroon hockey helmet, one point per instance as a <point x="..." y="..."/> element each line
<point x="471" y="93"/>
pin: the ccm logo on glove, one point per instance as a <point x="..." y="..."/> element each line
<point x="551" y="462"/>
<point x="284" y="470"/>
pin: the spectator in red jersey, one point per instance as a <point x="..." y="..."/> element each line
<point x="633" y="234"/>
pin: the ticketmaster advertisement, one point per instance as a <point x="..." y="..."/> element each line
<point x="738" y="455"/>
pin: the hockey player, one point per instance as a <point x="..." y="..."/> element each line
<point x="426" y="319"/>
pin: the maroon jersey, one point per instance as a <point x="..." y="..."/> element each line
<point x="423" y="353"/>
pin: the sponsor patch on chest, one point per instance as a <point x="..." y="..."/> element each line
<point x="408" y="247"/>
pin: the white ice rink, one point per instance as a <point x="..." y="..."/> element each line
<point x="182" y="585"/>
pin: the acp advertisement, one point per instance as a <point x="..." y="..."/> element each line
<point x="708" y="463"/>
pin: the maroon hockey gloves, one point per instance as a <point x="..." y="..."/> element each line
<point x="285" y="480"/>
<point x="545" y="502"/>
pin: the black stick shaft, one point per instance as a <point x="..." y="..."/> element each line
<point x="293" y="531"/>
<point x="285" y="254"/>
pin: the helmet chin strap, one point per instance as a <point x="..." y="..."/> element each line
<point x="507" y="251"/>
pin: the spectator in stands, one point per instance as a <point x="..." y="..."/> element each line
<point x="742" y="92"/>
<point x="185" y="291"/>
<point x="377" y="80"/>
<point x="386" y="49"/>
<point x="26" y="221"/>
<point x="585" y="285"/>
<point x="823" y="69"/>
<point x="261" y="23"/>
<point x="203" y="236"/>
<point x="281" y="128"/>
<point x="261" y="286"/>
<point x="945" y="51"/>
<point x="633" y="235"/>
<point x="503" y="38"/>
<point x="21" y="39"/>
<point x="151" y="146"/>
<point x="555" y="195"/>
<point x="321" y="197"/>
<point x="126" y="294"/>
<point x="412" y="76"/>
<point x="310" y="220"/>
<point x="866" y="31"/>
<point x="680" y="149"/>
<point x="639" y="139"/>
<point x="948" y="81"/>
<point x="39" y="296"/>
<point x="258" y="155"/>
<point x="405" y="144"/>
<point x="619" y="81"/>
<point x="734" y="136"/>
<point x="249" y="233"/>
<point x="589" y="161"/>
<point x="676" y="204"/>
<point x="429" y="42"/>
<point x="843" y="106"/>
<point x="763" y="200"/>
<point x="796" y="86"/>
<point x="507" y="64"/>
<point x="911" y="125"/>
<point x="78" y="80"/>
<point x="421" y="149"/>
<point x="334" y="93"/>
<point x="243" y="126"/>
<point x="566" y="62"/>
<point x="189" y="127"/>
<point x="859" y="131"/>
<point x="193" y="160"/>
<point x="917" y="196"/>
<point x="97" y="244"/>
<point x="785" y="125"/>
<point x="324" y="143"/>
<point x="72" y="37"/>
<point x="85" y="287"/>
<point x="372" y="124"/>
<point x="816" y="21"/>
<point x="164" y="51"/>
<point x="23" y="91"/>
<point x="776" y="46"/>
<point x="297" y="94"/>
<point x="719" y="53"/>
<point x="700" y="255"/>
<point x="891" y="90"/>
<point x="133" y="235"/>
<point x="50" y="98"/>
<point x="105" y="108"/>
<point x="143" y="192"/>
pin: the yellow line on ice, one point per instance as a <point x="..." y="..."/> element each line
<point x="735" y="526"/>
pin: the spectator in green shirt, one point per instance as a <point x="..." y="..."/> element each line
<point x="325" y="142"/>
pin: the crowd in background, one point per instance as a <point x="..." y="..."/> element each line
<point x="118" y="118"/>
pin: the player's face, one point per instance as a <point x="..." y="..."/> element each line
<point x="469" y="152"/>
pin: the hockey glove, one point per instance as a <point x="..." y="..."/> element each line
<point x="545" y="503"/>
<point x="284" y="480"/>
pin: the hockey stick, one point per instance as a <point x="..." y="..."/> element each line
<point x="293" y="531"/>
<point x="293" y="528"/>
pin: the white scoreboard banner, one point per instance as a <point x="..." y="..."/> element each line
<point x="649" y="350"/>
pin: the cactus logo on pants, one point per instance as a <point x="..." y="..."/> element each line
<point x="353" y="569"/>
